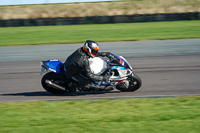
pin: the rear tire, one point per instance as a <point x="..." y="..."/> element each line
<point x="134" y="84"/>
<point x="56" y="78"/>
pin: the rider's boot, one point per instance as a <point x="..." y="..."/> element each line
<point x="74" y="90"/>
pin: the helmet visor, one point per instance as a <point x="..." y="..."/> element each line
<point x="94" y="52"/>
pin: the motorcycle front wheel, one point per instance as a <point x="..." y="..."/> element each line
<point x="54" y="83"/>
<point x="134" y="84"/>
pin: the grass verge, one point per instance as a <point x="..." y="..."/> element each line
<point x="122" y="116"/>
<point x="99" y="32"/>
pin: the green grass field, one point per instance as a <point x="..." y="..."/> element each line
<point x="99" y="32"/>
<point x="148" y="115"/>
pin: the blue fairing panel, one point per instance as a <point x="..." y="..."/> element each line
<point x="53" y="65"/>
<point x="118" y="68"/>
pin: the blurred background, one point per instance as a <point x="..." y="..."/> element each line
<point x="25" y="9"/>
<point x="22" y="2"/>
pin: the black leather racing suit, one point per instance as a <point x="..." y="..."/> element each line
<point x="78" y="63"/>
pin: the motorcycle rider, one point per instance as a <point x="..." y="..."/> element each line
<point x="77" y="67"/>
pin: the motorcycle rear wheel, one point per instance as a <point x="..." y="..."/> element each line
<point x="55" y="78"/>
<point x="134" y="84"/>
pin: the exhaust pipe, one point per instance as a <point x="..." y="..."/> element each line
<point x="54" y="85"/>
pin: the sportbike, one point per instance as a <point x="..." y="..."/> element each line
<point x="117" y="68"/>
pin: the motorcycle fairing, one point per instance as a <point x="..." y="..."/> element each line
<point x="122" y="61"/>
<point x="100" y="83"/>
<point x="118" y="68"/>
<point x="115" y="78"/>
<point x="121" y="71"/>
<point x="52" y="65"/>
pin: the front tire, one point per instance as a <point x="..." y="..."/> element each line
<point x="55" y="78"/>
<point x="134" y="84"/>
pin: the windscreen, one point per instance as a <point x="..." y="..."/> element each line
<point x="121" y="61"/>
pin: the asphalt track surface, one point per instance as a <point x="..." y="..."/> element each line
<point x="167" y="68"/>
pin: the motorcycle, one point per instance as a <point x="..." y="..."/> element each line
<point x="117" y="68"/>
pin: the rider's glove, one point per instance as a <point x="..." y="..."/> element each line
<point x="110" y="56"/>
